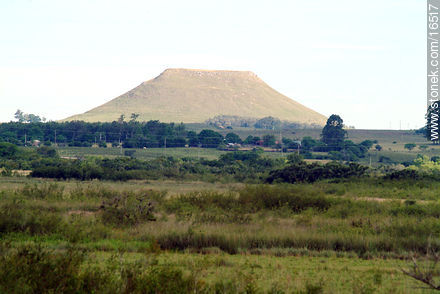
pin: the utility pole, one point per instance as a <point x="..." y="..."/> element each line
<point x="281" y="143"/>
<point x="164" y="145"/>
<point x="25" y="139"/>
<point x="55" y="137"/>
<point x="120" y="144"/>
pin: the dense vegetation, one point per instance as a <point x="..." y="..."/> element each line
<point x="100" y="237"/>
<point x="248" y="166"/>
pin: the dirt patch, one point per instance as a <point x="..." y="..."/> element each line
<point x="81" y="212"/>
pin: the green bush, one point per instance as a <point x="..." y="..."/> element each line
<point x="42" y="191"/>
<point x="127" y="209"/>
<point x="274" y="197"/>
<point x="157" y="279"/>
<point x="17" y="217"/>
<point x="21" y="271"/>
<point x="309" y="173"/>
<point x="34" y="269"/>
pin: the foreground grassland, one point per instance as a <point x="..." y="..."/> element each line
<point x="349" y="236"/>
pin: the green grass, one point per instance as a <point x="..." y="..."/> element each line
<point x="150" y="153"/>
<point x="336" y="275"/>
<point x="146" y="154"/>
<point x="339" y="237"/>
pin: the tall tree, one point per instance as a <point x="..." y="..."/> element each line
<point x="210" y="138"/>
<point x="19" y="115"/>
<point x="333" y="133"/>
<point x="27" y="117"/>
<point x="134" y="117"/>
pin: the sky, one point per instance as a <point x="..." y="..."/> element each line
<point x="363" y="60"/>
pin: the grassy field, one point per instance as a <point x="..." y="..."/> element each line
<point x="346" y="237"/>
<point x="151" y="153"/>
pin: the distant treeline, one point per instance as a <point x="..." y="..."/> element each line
<point x="268" y="123"/>
<point x="155" y="134"/>
<point x="131" y="134"/>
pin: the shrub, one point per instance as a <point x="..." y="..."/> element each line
<point x="127" y="209"/>
<point x="17" y="217"/>
<point x="273" y="197"/>
<point x="66" y="272"/>
<point x="158" y="279"/>
<point x="21" y="271"/>
<point x="302" y="172"/>
<point x="42" y="191"/>
<point x="403" y="175"/>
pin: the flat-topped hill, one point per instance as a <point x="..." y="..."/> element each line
<point x="189" y="95"/>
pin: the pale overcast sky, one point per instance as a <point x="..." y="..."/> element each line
<point x="363" y="60"/>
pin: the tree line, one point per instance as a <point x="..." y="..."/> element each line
<point x="155" y="134"/>
<point x="128" y="134"/>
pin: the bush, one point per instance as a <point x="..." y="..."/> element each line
<point x="406" y="174"/>
<point x="16" y="217"/>
<point x="302" y="172"/>
<point x="67" y="272"/>
<point x="8" y="150"/>
<point x="273" y="197"/>
<point x="158" y="279"/>
<point x="127" y="209"/>
<point x="21" y="271"/>
<point x="43" y="191"/>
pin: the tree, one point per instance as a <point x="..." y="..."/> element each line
<point x="367" y="143"/>
<point x="295" y="158"/>
<point x="121" y="118"/>
<point x="333" y="133"/>
<point x="134" y="117"/>
<point x="269" y="123"/>
<point x="19" y="115"/>
<point x="233" y="138"/>
<point x="46" y="151"/>
<point x="268" y="140"/>
<point x="308" y="143"/>
<point x="27" y="117"/>
<point x="378" y="147"/>
<point x="251" y="140"/>
<point x="7" y="150"/>
<point x="410" y="146"/>
<point x="426" y="269"/>
<point x="210" y="138"/>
